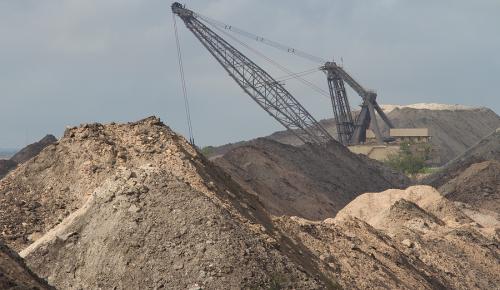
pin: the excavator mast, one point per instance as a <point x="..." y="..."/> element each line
<point x="256" y="82"/>
<point x="277" y="101"/>
<point x="349" y="131"/>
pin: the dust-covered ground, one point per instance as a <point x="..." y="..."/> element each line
<point x="127" y="206"/>
<point x="14" y="274"/>
<point x="473" y="178"/>
<point x="312" y="182"/>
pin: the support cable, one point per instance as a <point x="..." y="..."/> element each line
<point x="298" y="74"/>
<point x="183" y="82"/>
<point x="279" y="66"/>
<point x="261" y="39"/>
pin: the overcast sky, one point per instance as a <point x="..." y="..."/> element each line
<point x="66" y="62"/>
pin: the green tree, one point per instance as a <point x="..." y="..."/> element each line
<point x="411" y="158"/>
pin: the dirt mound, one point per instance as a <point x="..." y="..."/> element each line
<point x="428" y="106"/>
<point x="404" y="213"/>
<point x="452" y="131"/>
<point x="461" y="252"/>
<point x="32" y="150"/>
<point x="371" y="206"/>
<point x="307" y="181"/>
<point x="486" y="149"/>
<point x="135" y="206"/>
<point x="162" y="234"/>
<point x="14" y="274"/>
<point x="25" y="154"/>
<point x="6" y="166"/>
<point x="478" y="186"/>
<point x="454" y="128"/>
<point x="361" y="257"/>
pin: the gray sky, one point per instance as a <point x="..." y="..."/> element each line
<point x="66" y="62"/>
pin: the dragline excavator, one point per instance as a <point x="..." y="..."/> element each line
<point x="272" y="96"/>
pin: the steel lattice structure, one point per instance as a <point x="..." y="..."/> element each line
<point x="350" y="132"/>
<point x="256" y="82"/>
<point x="341" y="108"/>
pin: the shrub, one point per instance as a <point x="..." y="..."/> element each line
<point x="411" y="158"/>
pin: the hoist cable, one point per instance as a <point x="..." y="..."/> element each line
<point x="279" y="66"/>
<point x="183" y="82"/>
<point x="299" y="74"/>
<point x="261" y="39"/>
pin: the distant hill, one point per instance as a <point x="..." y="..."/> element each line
<point x="453" y="131"/>
<point x="25" y="154"/>
<point x="311" y="182"/>
<point x="454" y="128"/>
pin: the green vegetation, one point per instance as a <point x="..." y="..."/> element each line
<point x="411" y="158"/>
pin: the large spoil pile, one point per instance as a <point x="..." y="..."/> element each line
<point x="133" y="206"/>
<point x="308" y="181"/>
<point x="453" y="131"/>
<point x="25" y="154"/>
<point x="486" y="149"/>
<point x="137" y="207"/>
<point x="460" y="251"/>
<point x="15" y="275"/>
<point x="6" y="166"/>
<point x="453" y="128"/>
<point x="474" y="177"/>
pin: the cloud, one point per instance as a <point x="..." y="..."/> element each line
<point x="73" y="61"/>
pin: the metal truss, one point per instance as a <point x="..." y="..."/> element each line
<point x="350" y="132"/>
<point x="257" y="83"/>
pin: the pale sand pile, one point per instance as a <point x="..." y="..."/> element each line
<point x="428" y="106"/>
<point x="369" y="206"/>
<point x="375" y="207"/>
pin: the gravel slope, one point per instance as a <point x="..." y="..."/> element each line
<point x="14" y="274"/>
<point x="454" y="128"/>
<point x="310" y="182"/>
<point x="122" y="206"/>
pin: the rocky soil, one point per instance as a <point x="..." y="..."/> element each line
<point x="472" y="180"/>
<point x="134" y="205"/>
<point x="14" y="274"/>
<point x="129" y="206"/>
<point x="6" y="166"/>
<point x="485" y="149"/>
<point x="307" y="181"/>
<point x="32" y="150"/>
<point x="28" y="152"/>
<point x="461" y="252"/>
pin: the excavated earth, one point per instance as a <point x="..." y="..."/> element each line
<point x="452" y="131"/>
<point x="453" y="128"/>
<point x="473" y="178"/>
<point x="308" y="181"/>
<point x="14" y="274"/>
<point x="135" y="206"/>
<point x="461" y="251"/>
<point x="25" y="154"/>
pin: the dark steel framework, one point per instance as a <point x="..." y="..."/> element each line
<point x="349" y="131"/>
<point x="256" y="82"/>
